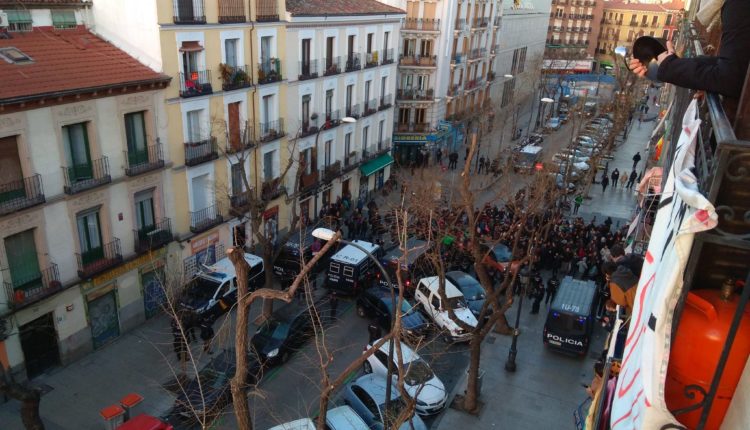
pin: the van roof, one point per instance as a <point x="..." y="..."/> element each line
<point x="344" y="418"/>
<point x="575" y="296"/>
<point x="351" y="255"/>
<point x="301" y="424"/>
<point x="433" y="283"/>
<point x="531" y="149"/>
<point x="224" y="268"/>
<point x="416" y="248"/>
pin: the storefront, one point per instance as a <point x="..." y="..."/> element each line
<point x="407" y="147"/>
<point x="376" y="169"/>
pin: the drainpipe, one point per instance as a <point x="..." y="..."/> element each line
<point x="258" y="188"/>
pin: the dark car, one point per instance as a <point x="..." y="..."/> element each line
<point x="287" y="330"/>
<point x="300" y="244"/>
<point x="470" y="288"/>
<point x="376" y="303"/>
<point x="203" y="401"/>
<point x="500" y="259"/>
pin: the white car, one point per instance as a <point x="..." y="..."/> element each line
<point x="420" y="381"/>
<point x="428" y="296"/>
<point x="300" y="424"/>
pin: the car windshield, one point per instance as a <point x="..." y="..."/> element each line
<point x="472" y="290"/>
<point x="456" y="303"/>
<point x="406" y="307"/>
<point x="417" y="372"/>
<point x="202" y="288"/>
<point x="502" y="253"/>
<point x="213" y="378"/>
<point x="276" y="330"/>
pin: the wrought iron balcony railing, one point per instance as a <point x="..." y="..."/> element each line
<point x="353" y="111"/>
<point x="385" y="102"/>
<point x="353" y="62"/>
<point x="153" y="236"/>
<point x="386" y="56"/>
<point x="196" y="83"/>
<point x="332" y="66"/>
<point x="235" y="77"/>
<point x="269" y="71"/>
<point x="82" y="177"/>
<point x="371" y="59"/>
<point x="204" y="219"/>
<point x="201" y="151"/>
<point x="99" y="259"/>
<point x="308" y="69"/>
<point x="271" y="130"/>
<point x="272" y="189"/>
<point x="188" y="12"/>
<point x="370" y="107"/>
<point x="21" y="194"/>
<point x="42" y="283"/>
<point x="420" y="24"/>
<point x="418" y="60"/>
<point x="145" y="160"/>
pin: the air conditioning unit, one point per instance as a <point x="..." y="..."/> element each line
<point x="3" y="20"/>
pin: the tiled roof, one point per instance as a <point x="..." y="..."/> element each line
<point x="65" y="61"/>
<point x="339" y="7"/>
<point x="645" y="7"/>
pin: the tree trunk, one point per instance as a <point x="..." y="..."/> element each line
<point x="267" y="308"/>
<point x="239" y="397"/>
<point x="28" y="396"/>
<point x="30" y="412"/>
<point x="502" y="326"/>
<point x="471" y="400"/>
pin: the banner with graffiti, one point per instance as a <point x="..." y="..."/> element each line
<point x="638" y="401"/>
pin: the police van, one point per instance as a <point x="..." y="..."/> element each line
<point x="350" y="270"/>
<point x="289" y="262"/>
<point x="414" y="265"/>
<point x="213" y="290"/>
<point x="570" y="320"/>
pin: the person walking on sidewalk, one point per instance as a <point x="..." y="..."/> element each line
<point x="439" y="156"/>
<point x="577" y="203"/>
<point x="207" y="334"/>
<point x="481" y="165"/>
<point x="605" y="182"/>
<point x="636" y="159"/>
<point x="624" y="179"/>
<point x="615" y="177"/>
<point x="631" y="180"/>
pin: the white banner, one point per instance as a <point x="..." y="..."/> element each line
<point x="638" y="401"/>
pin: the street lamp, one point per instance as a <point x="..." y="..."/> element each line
<point x="523" y="278"/>
<point x="346" y="119"/>
<point x="326" y="234"/>
<point x="508" y="75"/>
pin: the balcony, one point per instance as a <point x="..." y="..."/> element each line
<point x="188" y="12"/>
<point x="374" y="151"/>
<point x="272" y="189"/>
<point x="351" y="161"/>
<point x="266" y="11"/>
<point x="482" y="22"/>
<point x="496" y="21"/>
<point x="418" y="60"/>
<point x="244" y="139"/>
<point x="385" y="102"/>
<point x="234" y="77"/>
<point x="17" y="195"/>
<point x="633" y="24"/>
<point x="457" y="58"/>
<point x="271" y="130"/>
<point x="239" y="201"/>
<point x="269" y="71"/>
<point x="331" y="172"/>
<point x="231" y="11"/>
<point x="353" y="62"/>
<point x="206" y="218"/>
<point x="387" y="56"/>
<point x="308" y="181"/>
<point x="460" y="25"/>
<point x="420" y="24"/>
<point x="371" y="59"/>
<point x="353" y="111"/>
<point x="23" y="292"/>
<point x="86" y="176"/>
<point x="454" y="90"/>
<point x="195" y="84"/>
<point x="97" y="260"/>
<point x="146" y="160"/>
<point x="490" y="76"/>
<point x="331" y="119"/>
<point x="477" y="53"/>
<point x="332" y="66"/>
<point x="370" y="107"/>
<point x="201" y="151"/>
<point x="308" y="69"/>
<point x="413" y="127"/>
<point x="415" y="94"/>
<point x="153" y="236"/>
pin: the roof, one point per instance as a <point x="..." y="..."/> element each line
<point x="645" y="7"/>
<point x="407" y="354"/>
<point x="300" y="424"/>
<point x="574" y="296"/>
<point x="416" y="248"/>
<point x="223" y="268"/>
<point x="65" y="62"/>
<point x="339" y="7"/>
<point x="351" y="255"/>
<point x="344" y="417"/>
<point x="433" y="283"/>
<point x="530" y="149"/>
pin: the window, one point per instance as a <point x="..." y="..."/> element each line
<point x="328" y="152"/>
<point x="403" y="116"/>
<point x="365" y="137"/>
<point x="265" y="111"/>
<point x="230" y="50"/>
<point x="76" y="142"/>
<point x="89" y="236"/>
<point x="268" y="161"/>
<point x="144" y="210"/>
<point x="19" y="20"/>
<point x="665" y="34"/>
<point x="386" y="36"/>
<point x="135" y="134"/>
<point x="381" y="130"/>
<point x="383" y="86"/>
<point x="194" y="126"/>
<point x="63" y="18"/>
<point x="238" y="172"/>
<point x="306" y="159"/>
<point x="347" y="144"/>
<point x="23" y="262"/>
<point x="522" y="60"/>
<point x="14" y="55"/>
<point x="329" y="51"/>
<point x="514" y="64"/>
<point x="655" y="21"/>
<point x="425" y="48"/>
<point x="305" y="112"/>
<point x="265" y="51"/>
<point x="349" y="95"/>
<point x="435" y="302"/>
<point x="367" y="92"/>
<point x="350" y="46"/>
<point x="419" y="115"/>
<point x="370" y="37"/>
<point x="410" y="46"/>
<point x="348" y="271"/>
<point x="669" y="20"/>
<point x="306" y="56"/>
<point x="329" y="104"/>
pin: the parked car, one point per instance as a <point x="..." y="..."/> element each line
<point x="300" y="424"/>
<point x="366" y="395"/>
<point x="429" y="299"/>
<point x="559" y="180"/>
<point x="499" y="258"/>
<point x="420" y="382"/>
<point x="287" y="329"/>
<point x="472" y="290"/>
<point x="144" y="422"/>
<point x="213" y="290"/>
<point x="553" y="123"/>
<point x="344" y="418"/>
<point x="376" y="303"/>
<point x="203" y="398"/>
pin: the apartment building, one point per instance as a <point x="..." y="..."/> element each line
<point x="225" y="110"/>
<point x="341" y="84"/>
<point x="84" y="173"/>
<point x="445" y="70"/>
<point x="623" y="22"/>
<point x="573" y="28"/>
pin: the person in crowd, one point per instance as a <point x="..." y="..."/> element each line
<point x="631" y="179"/>
<point x="615" y="177"/>
<point x="636" y="159"/>
<point x="605" y="182"/>
<point x="624" y="179"/>
<point x="207" y="334"/>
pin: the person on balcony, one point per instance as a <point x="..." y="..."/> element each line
<point x="723" y="74"/>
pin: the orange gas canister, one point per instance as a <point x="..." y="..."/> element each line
<point x="696" y="349"/>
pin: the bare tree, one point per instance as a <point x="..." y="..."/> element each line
<point x="26" y="394"/>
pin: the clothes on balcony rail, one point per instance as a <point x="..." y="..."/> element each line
<point x="725" y="73"/>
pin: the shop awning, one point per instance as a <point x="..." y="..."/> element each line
<point x="606" y="63"/>
<point x="374" y="165"/>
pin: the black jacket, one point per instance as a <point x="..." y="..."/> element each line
<point x="725" y="73"/>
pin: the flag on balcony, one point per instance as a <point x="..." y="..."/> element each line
<point x="638" y="401"/>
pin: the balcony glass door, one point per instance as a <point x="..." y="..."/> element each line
<point x="144" y="212"/>
<point x="22" y="259"/>
<point x="79" y="158"/>
<point x="306" y="57"/>
<point x="90" y="238"/>
<point x="11" y="175"/>
<point x="135" y="133"/>
<point x="265" y="53"/>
